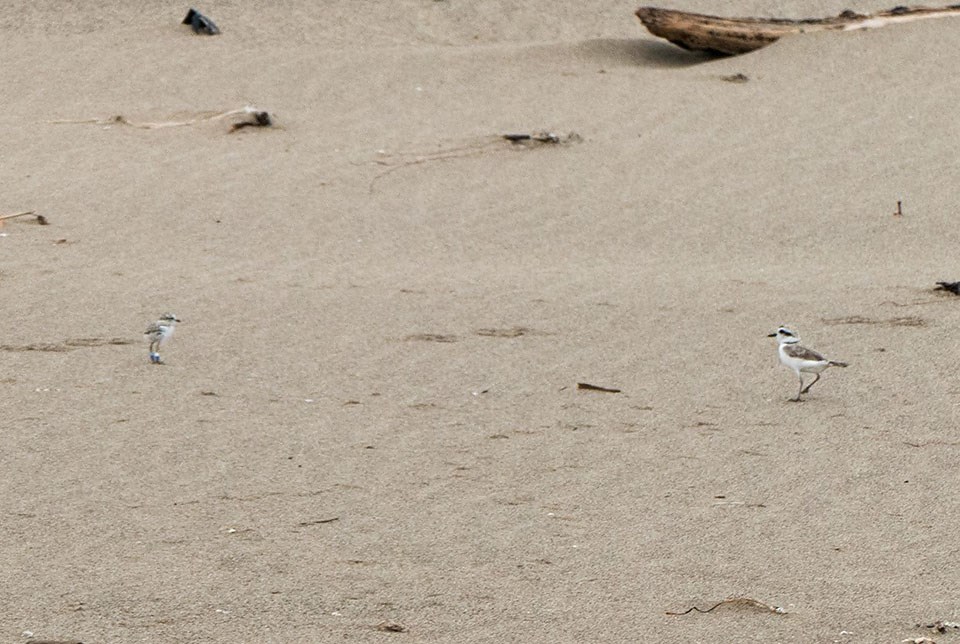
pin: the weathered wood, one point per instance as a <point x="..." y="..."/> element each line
<point x="734" y="36"/>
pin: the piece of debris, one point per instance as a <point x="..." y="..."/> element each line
<point x="918" y="640"/>
<point x="431" y="337"/>
<point x="909" y="320"/>
<point x="899" y="212"/>
<point x="390" y="626"/>
<point x="119" y="119"/>
<point x="200" y="23"/>
<point x="40" y="219"/>
<point x="953" y="287"/>
<point x="737" y="602"/>
<point x="940" y="626"/>
<point x="260" y="119"/>
<point x="469" y="148"/>
<point x="206" y="392"/>
<point x="735" y="78"/>
<point x="318" y="521"/>
<point x="589" y="387"/>
<point x="732" y="36"/>
<point x="511" y="332"/>
<point x="542" y="138"/>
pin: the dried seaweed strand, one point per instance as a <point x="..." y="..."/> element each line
<point x="479" y="146"/>
<point x="122" y="120"/>
<point x="399" y="162"/>
<point x="737" y="601"/>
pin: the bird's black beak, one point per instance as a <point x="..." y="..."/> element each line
<point x="772" y="335"/>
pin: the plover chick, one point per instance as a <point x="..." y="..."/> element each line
<point x="158" y="333"/>
<point x="801" y="359"/>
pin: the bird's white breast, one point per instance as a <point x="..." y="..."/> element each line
<point x="166" y="332"/>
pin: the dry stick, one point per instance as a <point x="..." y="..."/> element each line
<point x="743" y="601"/>
<point x="19" y="214"/>
<point x="319" y="521"/>
<point x="739" y="35"/>
<point x="122" y="120"/>
<point x="40" y="218"/>
<point x="589" y="387"/>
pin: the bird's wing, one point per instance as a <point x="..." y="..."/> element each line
<point x="153" y="329"/>
<point x="802" y="353"/>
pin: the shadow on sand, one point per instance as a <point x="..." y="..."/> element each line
<point x="637" y="51"/>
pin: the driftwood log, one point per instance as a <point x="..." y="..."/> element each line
<point x="734" y="36"/>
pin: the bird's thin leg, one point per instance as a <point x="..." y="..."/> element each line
<point x="797" y="399"/>
<point x="807" y="388"/>
<point x="155" y="351"/>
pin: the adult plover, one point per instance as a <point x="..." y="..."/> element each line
<point x="801" y="359"/>
<point x="158" y="333"/>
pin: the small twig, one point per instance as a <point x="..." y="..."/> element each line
<point x="319" y="521"/>
<point x="746" y="602"/>
<point x="899" y="212"/>
<point x="40" y="218"/>
<point x="589" y="387"/>
<point x="19" y="214"/>
<point x="539" y="137"/>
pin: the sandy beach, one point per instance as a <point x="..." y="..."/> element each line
<point x="368" y="426"/>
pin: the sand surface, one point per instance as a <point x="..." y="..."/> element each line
<point x="370" y="412"/>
